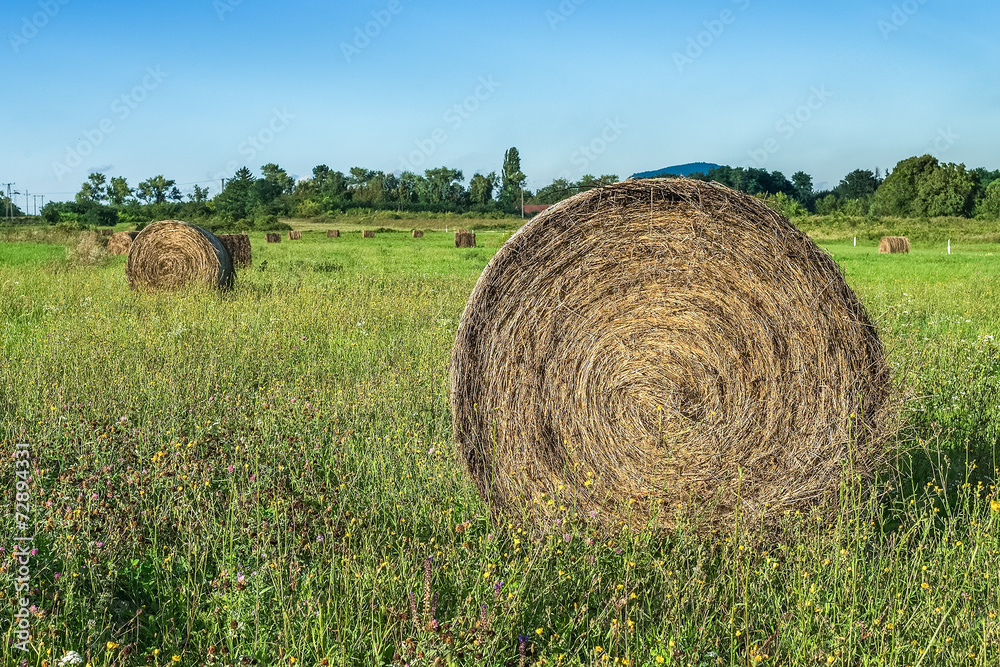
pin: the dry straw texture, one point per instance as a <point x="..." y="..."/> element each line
<point x="332" y="233"/>
<point x="658" y="347"/>
<point x="273" y="238"/>
<point x="294" y="235"/>
<point x="106" y="232"/>
<point x="239" y="249"/>
<point x="465" y="239"/>
<point x="418" y="234"/>
<point x="119" y="243"/>
<point x="894" y="244"/>
<point x="171" y="253"/>
<point x="368" y="234"/>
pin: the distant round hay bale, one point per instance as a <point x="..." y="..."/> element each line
<point x="368" y="234"/>
<point x="294" y="235"/>
<point x="465" y="239"/>
<point x="239" y="249"/>
<point x="171" y="253"/>
<point x="418" y="234"/>
<point x="120" y="242"/>
<point x="332" y="233"/>
<point x="662" y="346"/>
<point x="894" y="244"/>
<point x="273" y="238"/>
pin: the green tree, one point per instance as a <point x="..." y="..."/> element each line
<point x="93" y="189"/>
<point x="155" y="190"/>
<point x="858" y="184"/>
<point x="233" y="201"/>
<point x="920" y="186"/>
<point x="481" y="188"/>
<point x="200" y="194"/>
<point x="803" y="184"/>
<point x="278" y="176"/>
<point x="554" y="192"/>
<point x="512" y="179"/>
<point x="443" y="185"/>
<point x="118" y="191"/>
<point x="989" y="206"/>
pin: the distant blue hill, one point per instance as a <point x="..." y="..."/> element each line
<point x="678" y="170"/>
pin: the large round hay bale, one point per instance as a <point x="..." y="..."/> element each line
<point x="665" y="345"/>
<point x="332" y="233"/>
<point x="294" y="235"/>
<point x="273" y="238"/>
<point x="171" y="253"/>
<point x="894" y="244"/>
<point x="417" y="234"/>
<point x="465" y="239"/>
<point x="368" y="234"/>
<point x="120" y="242"/>
<point x="239" y="249"/>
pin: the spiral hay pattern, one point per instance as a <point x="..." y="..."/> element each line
<point x="665" y="346"/>
<point x="120" y="242"/>
<point x="171" y="253"/>
<point x="894" y="244"/>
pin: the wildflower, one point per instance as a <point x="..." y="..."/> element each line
<point x="995" y="504"/>
<point x="567" y="538"/>
<point x="539" y="632"/>
<point x="175" y="658"/>
<point x="71" y="658"/>
<point x="319" y="538"/>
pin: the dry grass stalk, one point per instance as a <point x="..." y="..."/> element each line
<point x="239" y="249"/>
<point x="171" y="253"/>
<point x="294" y="235"/>
<point x="894" y="244"/>
<point x="332" y="233"/>
<point x="120" y="242"/>
<point x="418" y="234"/>
<point x="465" y="239"/>
<point x="368" y="234"/>
<point x="273" y="238"/>
<point x="665" y="346"/>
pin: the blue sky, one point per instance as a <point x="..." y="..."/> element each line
<point x="195" y="89"/>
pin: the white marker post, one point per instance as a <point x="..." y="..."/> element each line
<point x="855" y="241"/>
<point x="949" y="246"/>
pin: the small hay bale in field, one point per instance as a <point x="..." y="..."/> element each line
<point x="368" y="234"/>
<point x="665" y="346"/>
<point x="239" y="249"/>
<point x="894" y="244"/>
<point x="171" y="253"/>
<point x="106" y="232"/>
<point x="294" y="235"/>
<point x="120" y="242"/>
<point x="273" y="238"/>
<point x="418" y="234"/>
<point x="465" y="239"/>
<point x="332" y="233"/>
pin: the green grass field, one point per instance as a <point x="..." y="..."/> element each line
<point x="265" y="477"/>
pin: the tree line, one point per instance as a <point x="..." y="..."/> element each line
<point x="915" y="187"/>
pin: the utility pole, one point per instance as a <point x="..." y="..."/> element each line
<point x="9" y="202"/>
<point x="36" y="198"/>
